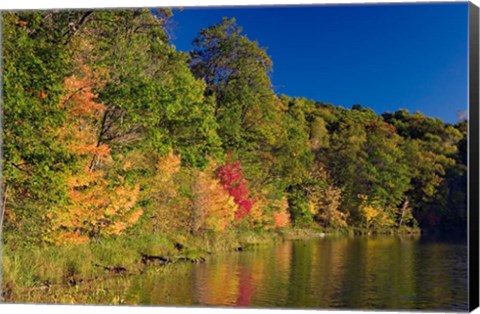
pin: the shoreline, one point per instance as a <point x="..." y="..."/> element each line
<point x="42" y="268"/>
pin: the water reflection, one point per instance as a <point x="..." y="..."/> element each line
<point x="361" y="272"/>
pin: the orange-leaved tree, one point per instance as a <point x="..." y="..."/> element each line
<point x="99" y="202"/>
<point x="281" y="216"/>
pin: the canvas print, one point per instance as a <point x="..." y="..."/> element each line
<point x="256" y="157"/>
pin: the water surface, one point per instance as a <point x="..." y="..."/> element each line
<point x="383" y="272"/>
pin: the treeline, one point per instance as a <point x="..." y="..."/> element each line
<point x="108" y="130"/>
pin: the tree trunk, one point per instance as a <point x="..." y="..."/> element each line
<point x="404" y="208"/>
<point x="4" y="203"/>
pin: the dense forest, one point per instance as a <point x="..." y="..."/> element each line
<point x="109" y="131"/>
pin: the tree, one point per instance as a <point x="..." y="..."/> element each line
<point x="166" y="208"/>
<point x="325" y="199"/>
<point x="431" y="149"/>
<point x="281" y="219"/>
<point x="236" y="72"/>
<point x="347" y="159"/>
<point x="388" y="173"/>
<point x="233" y="181"/>
<point x="213" y="207"/>
<point x="97" y="205"/>
<point x="152" y="100"/>
<point x="293" y="157"/>
<point x="457" y="181"/>
<point x="366" y="156"/>
<point x="35" y="63"/>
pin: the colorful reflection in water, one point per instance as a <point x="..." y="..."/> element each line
<point x="383" y="272"/>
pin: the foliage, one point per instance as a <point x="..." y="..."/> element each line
<point x="34" y="66"/>
<point x="153" y="102"/>
<point x="95" y="205"/>
<point x="236" y="71"/>
<point x="109" y="131"/>
<point x="325" y="200"/>
<point x="281" y="216"/>
<point x="432" y="149"/>
<point x="373" y="217"/>
<point x="213" y="207"/>
<point x="232" y="180"/>
<point x="167" y="208"/>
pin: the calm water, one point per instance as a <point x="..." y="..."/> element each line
<point x="360" y="272"/>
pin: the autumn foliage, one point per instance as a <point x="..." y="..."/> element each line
<point x="232" y="180"/>
<point x="95" y="205"/>
<point x="214" y="208"/>
<point x="372" y="214"/>
<point x="169" y="209"/>
<point x="281" y="216"/>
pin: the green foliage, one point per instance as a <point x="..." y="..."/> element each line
<point x="236" y="72"/>
<point x="432" y="153"/>
<point x="153" y="101"/>
<point x="34" y="65"/>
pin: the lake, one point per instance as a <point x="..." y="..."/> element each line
<point x="382" y="272"/>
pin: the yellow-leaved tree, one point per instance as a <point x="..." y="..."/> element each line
<point x="325" y="200"/>
<point x="168" y="210"/>
<point x="213" y="207"/>
<point x="373" y="215"/>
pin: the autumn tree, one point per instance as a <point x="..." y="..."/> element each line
<point x="167" y="209"/>
<point x="281" y="215"/>
<point x="231" y="177"/>
<point x="97" y="204"/>
<point x="325" y="199"/>
<point x="213" y="207"/>
<point x="372" y="215"/>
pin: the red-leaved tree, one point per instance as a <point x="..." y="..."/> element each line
<point x="232" y="180"/>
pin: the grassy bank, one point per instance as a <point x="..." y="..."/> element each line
<point x="34" y="268"/>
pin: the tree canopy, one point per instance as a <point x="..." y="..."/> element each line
<point x="109" y="130"/>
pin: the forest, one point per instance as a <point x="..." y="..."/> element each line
<point x="111" y="134"/>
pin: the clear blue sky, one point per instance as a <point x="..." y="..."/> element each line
<point x="384" y="57"/>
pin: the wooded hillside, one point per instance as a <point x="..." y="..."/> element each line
<point x="108" y="130"/>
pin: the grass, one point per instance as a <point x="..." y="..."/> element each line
<point x="36" y="268"/>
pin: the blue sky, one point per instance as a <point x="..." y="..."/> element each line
<point x="384" y="57"/>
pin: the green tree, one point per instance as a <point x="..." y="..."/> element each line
<point x="153" y="101"/>
<point x="35" y="62"/>
<point x="366" y="158"/>
<point x="431" y="149"/>
<point x="236" y="72"/>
